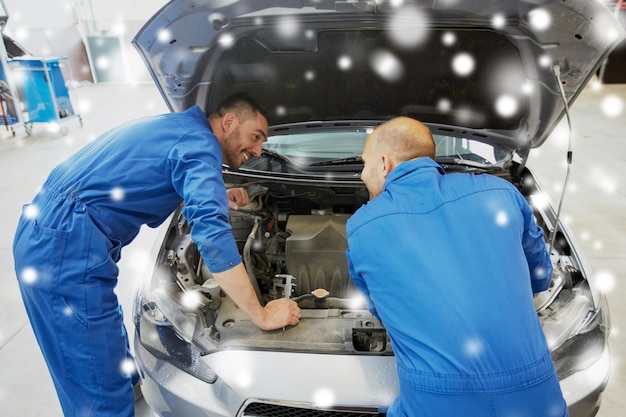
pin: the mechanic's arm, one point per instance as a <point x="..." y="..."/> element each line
<point x="537" y="256"/>
<point x="197" y="177"/>
<point x="360" y="285"/>
<point x="276" y="314"/>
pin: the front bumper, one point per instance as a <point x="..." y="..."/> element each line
<point x="333" y="385"/>
<point x="170" y="391"/>
<point x="583" y="390"/>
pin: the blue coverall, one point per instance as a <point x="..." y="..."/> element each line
<point x="69" y="238"/>
<point x="449" y="264"/>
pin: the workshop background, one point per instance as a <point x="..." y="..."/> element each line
<point x="109" y="84"/>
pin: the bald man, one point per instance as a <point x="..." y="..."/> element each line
<point x="449" y="264"/>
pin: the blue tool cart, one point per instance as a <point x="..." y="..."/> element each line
<point x="46" y="96"/>
<point x="10" y="112"/>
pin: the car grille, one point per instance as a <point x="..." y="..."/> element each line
<point x="262" y="409"/>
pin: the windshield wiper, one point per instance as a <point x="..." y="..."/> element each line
<point x="269" y="157"/>
<point x="449" y="161"/>
<point x="274" y="155"/>
<point x="343" y="161"/>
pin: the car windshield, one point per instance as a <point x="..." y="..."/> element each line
<point x="329" y="151"/>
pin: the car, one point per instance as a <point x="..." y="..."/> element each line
<point x="491" y="79"/>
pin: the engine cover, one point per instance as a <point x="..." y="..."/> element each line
<point x="315" y="254"/>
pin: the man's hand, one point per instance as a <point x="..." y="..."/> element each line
<point x="274" y="315"/>
<point x="279" y="313"/>
<point x="237" y="197"/>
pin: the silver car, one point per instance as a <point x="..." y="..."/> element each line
<point x="490" y="78"/>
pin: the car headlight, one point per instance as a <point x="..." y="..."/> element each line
<point x="576" y="330"/>
<point x="172" y="333"/>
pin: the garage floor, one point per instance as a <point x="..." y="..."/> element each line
<point x="595" y="208"/>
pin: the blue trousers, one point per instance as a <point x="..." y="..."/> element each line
<point x="543" y="399"/>
<point x="66" y="269"/>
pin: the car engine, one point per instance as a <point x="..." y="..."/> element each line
<point x="290" y="247"/>
<point x="292" y="240"/>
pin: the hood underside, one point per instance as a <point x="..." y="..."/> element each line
<point x="485" y="65"/>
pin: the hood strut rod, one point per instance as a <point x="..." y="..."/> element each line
<point x="557" y="74"/>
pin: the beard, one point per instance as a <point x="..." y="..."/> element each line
<point x="232" y="154"/>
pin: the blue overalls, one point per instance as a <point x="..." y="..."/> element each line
<point x="69" y="239"/>
<point x="449" y="264"/>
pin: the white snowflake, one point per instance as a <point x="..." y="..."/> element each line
<point x="539" y="19"/>
<point x="164" y="36"/>
<point x="506" y="106"/>
<point x="324" y="397"/>
<point x="226" y="40"/>
<point x="408" y="36"/>
<point x="608" y="184"/>
<point x="53" y="128"/>
<point x="117" y="194"/>
<point x="21" y="34"/>
<point x="539" y="272"/>
<point x="584" y="235"/>
<point x="281" y="110"/>
<point x="448" y="38"/>
<point x="598" y="245"/>
<point x="29" y="275"/>
<point x="288" y="27"/>
<point x="463" y="64"/>
<point x="244" y="379"/>
<point x="444" y="105"/>
<point x="464" y="115"/>
<point x="527" y="88"/>
<point x="191" y="300"/>
<point x="137" y="258"/>
<point x="498" y="21"/>
<point x="84" y="106"/>
<point x="119" y="28"/>
<point x="127" y="367"/>
<point x="502" y="219"/>
<point x="605" y="181"/>
<point x="612" y="105"/>
<point x="596" y="84"/>
<point x="545" y="61"/>
<point x="344" y="62"/>
<point x="473" y="347"/>
<point x="572" y="187"/>
<point x="387" y="65"/>
<point x="605" y="281"/>
<point x="103" y="63"/>
<point x="244" y="368"/>
<point x="31" y="211"/>
<point x="539" y="200"/>
<point x="358" y="301"/>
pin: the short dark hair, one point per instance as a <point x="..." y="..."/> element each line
<point x="240" y="103"/>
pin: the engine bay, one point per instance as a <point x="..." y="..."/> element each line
<point x="292" y="244"/>
<point x="292" y="240"/>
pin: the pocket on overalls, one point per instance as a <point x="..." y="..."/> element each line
<point x="38" y="252"/>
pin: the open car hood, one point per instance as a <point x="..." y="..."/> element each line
<point x="484" y="65"/>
